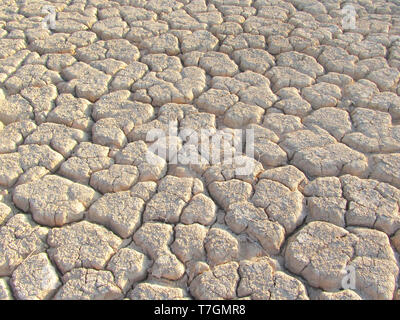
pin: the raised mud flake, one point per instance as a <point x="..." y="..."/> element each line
<point x="56" y="43"/>
<point x="256" y="60"/>
<point x="189" y="242"/>
<point x="35" y="279"/>
<point x="72" y="112"/>
<point x="216" y="101"/>
<point x="369" y="205"/>
<point x="331" y="160"/>
<point x="320" y="252"/>
<point x="260" y="281"/>
<point x="200" y="40"/>
<point x="151" y="291"/>
<point x="335" y="121"/>
<point x="221" y="246"/>
<point x="27" y="158"/>
<point x="82" y="244"/>
<point x="31" y="75"/>
<point x="15" y="108"/>
<point x="60" y="137"/>
<point x="385" y="168"/>
<point x="280" y="203"/>
<point x="20" y="238"/>
<point x="154" y="238"/>
<point x="200" y="209"/>
<point x="218" y="64"/>
<point x="119" y="211"/>
<point x="242" y="114"/>
<point x="164" y="206"/>
<point x="89" y="284"/>
<point x="137" y="154"/>
<point x="245" y="217"/>
<point x="88" y="82"/>
<point x="54" y="201"/>
<point x="227" y="193"/>
<point x="86" y="159"/>
<point x="115" y="178"/>
<point x="217" y="283"/>
<point x="5" y="291"/>
<point x="128" y="266"/>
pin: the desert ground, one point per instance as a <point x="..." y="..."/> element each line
<point x="221" y="149"/>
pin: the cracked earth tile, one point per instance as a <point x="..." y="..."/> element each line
<point x="328" y="209"/>
<point x="331" y="160"/>
<point x="60" y="137"/>
<point x="31" y="75"/>
<point x="256" y="60"/>
<point x="107" y="132"/>
<point x="13" y="134"/>
<point x="82" y="244"/>
<point x="217" y="283"/>
<point x="127" y="76"/>
<point x="28" y="156"/>
<point x="54" y="201"/>
<point x="189" y="242"/>
<point x="369" y="206"/>
<point x="150" y="291"/>
<point x="20" y="238"/>
<point x="128" y="266"/>
<point x="56" y="43"/>
<point x="5" y="213"/>
<point x="137" y="153"/>
<point x="292" y="104"/>
<point x="242" y="114"/>
<point x="119" y="211"/>
<point x="335" y="121"/>
<point x="229" y="192"/>
<point x="165" y="43"/>
<point x="200" y="40"/>
<point x="289" y="176"/>
<point x="281" y="123"/>
<point x="280" y="203"/>
<point x="89" y="284"/>
<point x="15" y="108"/>
<point x="282" y="77"/>
<point x="218" y="64"/>
<point x="385" y="168"/>
<point x="5" y="291"/>
<point x="341" y="248"/>
<point x="154" y="238"/>
<point x="35" y="279"/>
<point x="115" y="178"/>
<point x="245" y="217"/>
<point x="72" y="112"/>
<point x="324" y="187"/>
<point x="336" y="59"/>
<point x="216" y="101"/>
<point x="85" y="160"/>
<point x="242" y="41"/>
<point x="300" y="62"/>
<point x="322" y="95"/>
<point x="200" y="209"/>
<point x="261" y="281"/>
<point x="111" y="28"/>
<point x="388" y="102"/>
<point x="221" y="246"/>
<point x="85" y="81"/>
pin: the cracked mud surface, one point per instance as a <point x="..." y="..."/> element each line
<point x="84" y="215"/>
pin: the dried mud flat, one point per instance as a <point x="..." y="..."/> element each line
<point x="84" y="215"/>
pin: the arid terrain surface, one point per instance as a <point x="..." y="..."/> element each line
<point x="90" y="206"/>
